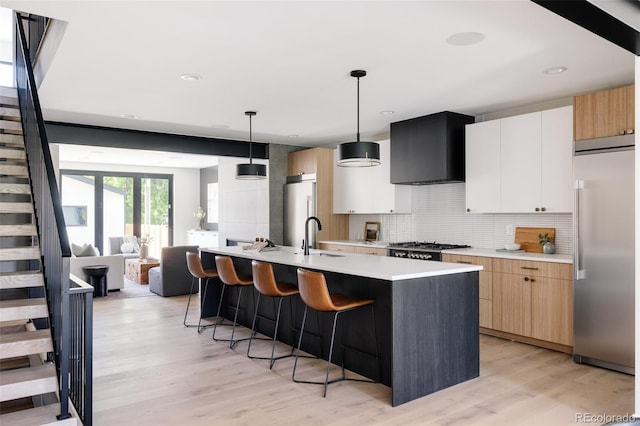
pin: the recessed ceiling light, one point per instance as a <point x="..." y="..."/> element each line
<point x="129" y="116"/>
<point x="190" y="77"/>
<point x="220" y="126"/>
<point x="555" y="70"/>
<point x="465" y="39"/>
<point x="389" y="112"/>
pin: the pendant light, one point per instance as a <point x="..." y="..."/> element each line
<point x="251" y="171"/>
<point x="358" y="154"/>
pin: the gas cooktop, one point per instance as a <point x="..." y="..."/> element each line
<point x="413" y="245"/>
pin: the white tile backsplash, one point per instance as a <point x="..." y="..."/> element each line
<point x="439" y="214"/>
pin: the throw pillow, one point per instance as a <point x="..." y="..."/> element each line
<point x="75" y="249"/>
<point x="133" y="240"/>
<point x="87" y="250"/>
<point x="126" y="248"/>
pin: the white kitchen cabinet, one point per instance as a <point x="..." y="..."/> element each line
<point x="202" y="238"/>
<point x="367" y="190"/>
<point x="521" y="164"/>
<point x="556" y="193"/>
<point x="520" y="146"/>
<point x="483" y="167"/>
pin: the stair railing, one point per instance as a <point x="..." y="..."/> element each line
<point x="70" y="303"/>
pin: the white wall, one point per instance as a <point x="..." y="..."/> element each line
<point x="186" y="191"/>
<point x="439" y="214"/>
<point x="243" y="204"/>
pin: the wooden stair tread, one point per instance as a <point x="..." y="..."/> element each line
<point x="9" y="91"/>
<point x="19" y="253"/>
<point x="42" y="416"/>
<point x="25" y="343"/>
<point x="10" y="327"/>
<point x="8" y="101"/>
<point x="30" y="381"/>
<point x="15" y="207"/>
<point x="14" y="188"/>
<point x="9" y="113"/>
<point x="11" y="127"/>
<point x="17" y="309"/>
<point x="19" y="230"/>
<point x="20" y="171"/>
<point x="16" y="141"/>
<point x="21" y="279"/>
<point x="12" y="154"/>
<point x="13" y="363"/>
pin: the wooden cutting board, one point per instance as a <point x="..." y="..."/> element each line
<point x="528" y="238"/>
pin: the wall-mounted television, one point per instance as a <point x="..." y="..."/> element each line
<point x="75" y="215"/>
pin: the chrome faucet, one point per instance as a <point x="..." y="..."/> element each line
<point x="305" y="243"/>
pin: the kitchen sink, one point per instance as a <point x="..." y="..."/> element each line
<point x="331" y="255"/>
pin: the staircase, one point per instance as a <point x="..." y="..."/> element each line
<point x="28" y="380"/>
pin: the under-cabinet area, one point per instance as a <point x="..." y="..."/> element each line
<point x="525" y="300"/>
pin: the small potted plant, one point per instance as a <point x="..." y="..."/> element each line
<point x="545" y="242"/>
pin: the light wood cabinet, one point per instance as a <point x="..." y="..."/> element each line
<point x="302" y="162"/>
<point x="336" y="247"/>
<point x="345" y="248"/>
<point x="604" y="113"/>
<point x="521" y="164"/>
<point x="486" y="284"/>
<point x="376" y="251"/>
<point x="367" y="190"/>
<point x="533" y="300"/>
<point x="320" y="162"/>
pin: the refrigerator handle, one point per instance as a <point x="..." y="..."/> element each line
<point x="577" y="264"/>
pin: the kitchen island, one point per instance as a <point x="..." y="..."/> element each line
<point x="426" y="313"/>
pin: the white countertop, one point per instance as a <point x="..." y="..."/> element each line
<point x="358" y="243"/>
<point x="364" y="265"/>
<point x="538" y="257"/>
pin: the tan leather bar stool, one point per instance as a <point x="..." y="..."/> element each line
<point x="265" y="282"/>
<point x="229" y="277"/>
<point x="198" y="272"/>
<point x="315" y="294"/>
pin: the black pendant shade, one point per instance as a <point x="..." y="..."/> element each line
<point x="251" y="171"/>
<point x="358" y="154"/>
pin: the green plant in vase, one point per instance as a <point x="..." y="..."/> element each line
<point x="545" y="242"/>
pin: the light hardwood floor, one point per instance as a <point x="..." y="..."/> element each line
<point x="150" y="370"/>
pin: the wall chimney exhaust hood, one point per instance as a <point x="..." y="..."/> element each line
<point x="429" y="150"/>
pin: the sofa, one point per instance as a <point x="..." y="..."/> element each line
<point x="116" y="243"/>
<point x="115" y="276"/>
<point x="172" y="277"/>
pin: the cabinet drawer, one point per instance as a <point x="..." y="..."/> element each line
<point x="485" y="262"/>
<point x="337" y="247"/>
<point x="376" y="251"/>
<point x="532" y="268"/>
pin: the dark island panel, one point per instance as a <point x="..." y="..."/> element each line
<point x="435" y="334"/>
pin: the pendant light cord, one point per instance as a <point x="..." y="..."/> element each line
<point x="358" y="110"/>
<point x="250" y="142"/>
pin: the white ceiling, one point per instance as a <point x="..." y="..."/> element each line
<point x="290" y="61"/>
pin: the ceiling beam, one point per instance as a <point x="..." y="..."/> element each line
<point x="596" y="20"/>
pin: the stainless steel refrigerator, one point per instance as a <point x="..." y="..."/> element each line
<point x="604" y="255"/>
<point x="299" y="204"/>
